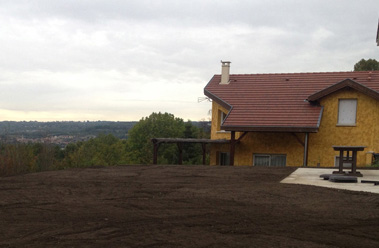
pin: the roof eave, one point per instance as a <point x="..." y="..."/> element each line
<point x="276" y="129"/>
<point x="189" y="140"/>
<point x="216" y="98"/>
<point x="343" y="84"/>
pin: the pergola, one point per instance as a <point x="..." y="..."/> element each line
<point x="180" y="141"/>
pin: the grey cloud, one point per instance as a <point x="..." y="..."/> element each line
<point x="94" y="51"/>
<point x="270" y="13"/>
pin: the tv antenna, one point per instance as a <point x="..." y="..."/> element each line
<point x="203" y="98"/>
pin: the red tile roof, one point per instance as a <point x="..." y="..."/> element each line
<point x="278" y="102"/>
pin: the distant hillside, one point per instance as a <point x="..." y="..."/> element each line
<point x="64" y="132"/>
<point x="34" y="129"/>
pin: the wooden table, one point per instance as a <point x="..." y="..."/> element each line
<point x="348" y="159"/>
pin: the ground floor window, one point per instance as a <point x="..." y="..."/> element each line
<point x="345" y="164"/>
<point x="224" y="158"/>
<point x="269" y="160"/>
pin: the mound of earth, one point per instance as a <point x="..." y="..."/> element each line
<point x="181" y="206"/>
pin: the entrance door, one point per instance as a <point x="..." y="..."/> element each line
<point x="224" y="158"/>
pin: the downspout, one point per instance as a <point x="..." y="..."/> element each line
<point x="305" y="161"/>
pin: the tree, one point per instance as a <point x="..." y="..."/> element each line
<point x="157" y="125"/>
<point x="367" y="65"/>
<point x="192" y="153"/>
<point x="103" y="150"/>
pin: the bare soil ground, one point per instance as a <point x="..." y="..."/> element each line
<point x="181" y="206"/>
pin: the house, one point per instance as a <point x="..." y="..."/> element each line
<point x="293" y="119"/>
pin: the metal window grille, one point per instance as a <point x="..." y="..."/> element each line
<point x="269" y="160"/>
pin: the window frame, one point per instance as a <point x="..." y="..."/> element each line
<point x="221" y="117"/>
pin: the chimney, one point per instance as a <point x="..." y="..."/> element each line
<point x="225" y="69"/>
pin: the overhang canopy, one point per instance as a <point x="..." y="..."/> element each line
<point x="180" y="141"/>
<point x="188" y="140"/>
<point x="277" y="129"/>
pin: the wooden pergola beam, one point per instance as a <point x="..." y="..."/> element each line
<point x="180" y="142"/>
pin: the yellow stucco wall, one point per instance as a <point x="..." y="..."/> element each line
<point x="216" y="133"/>
<point x="364" y="133"/>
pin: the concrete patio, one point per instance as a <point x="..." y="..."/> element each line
<point x="311" y="176"/>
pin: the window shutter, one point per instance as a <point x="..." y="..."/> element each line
<point x="347" y="111"/>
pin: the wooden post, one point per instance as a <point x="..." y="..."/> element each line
<point x="340" y="165"/>
<point x="155" y="153"/>
<point x="353" y="162"/>
<point x="180" y="148"/>
<point x="232" y="147"/>
<point x="204" y="146"/>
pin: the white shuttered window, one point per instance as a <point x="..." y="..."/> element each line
<point x="347" y="111"/>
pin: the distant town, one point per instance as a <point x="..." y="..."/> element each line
<point x="64" y="132"/>
<point x="60" y="133"/>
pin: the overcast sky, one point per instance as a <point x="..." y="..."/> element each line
<point x="121" y="60"/>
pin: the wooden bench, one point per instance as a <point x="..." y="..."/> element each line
<point x="348" y="159"/>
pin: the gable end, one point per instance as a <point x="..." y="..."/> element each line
<point x="347" y="83"/>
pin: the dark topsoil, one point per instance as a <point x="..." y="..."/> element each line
<point x="181" y="206"/>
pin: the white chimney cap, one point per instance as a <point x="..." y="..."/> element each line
<point x="225" y="62"/>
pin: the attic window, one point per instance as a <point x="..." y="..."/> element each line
<point x="222" y="117"/>
<point x="347" y="112"/>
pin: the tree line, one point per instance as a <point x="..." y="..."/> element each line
<point x="106" y="149"/>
